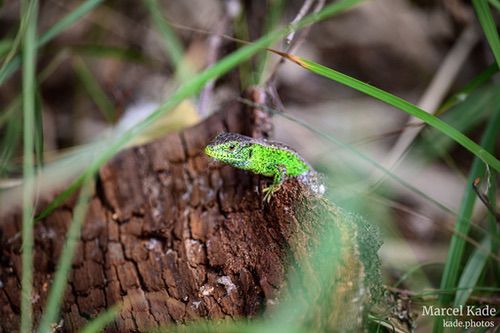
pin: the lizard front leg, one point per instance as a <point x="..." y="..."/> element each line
<point x="279" y="178"/>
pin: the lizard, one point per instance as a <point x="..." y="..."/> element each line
<point x="263" y="157"/>
<point x="359" y="278"/>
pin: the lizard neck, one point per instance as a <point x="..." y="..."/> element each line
<point x="265" y="158"/>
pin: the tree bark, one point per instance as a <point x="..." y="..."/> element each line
<point x="175" y="237"/>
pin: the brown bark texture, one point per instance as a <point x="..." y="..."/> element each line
<point x="174" y="238"/>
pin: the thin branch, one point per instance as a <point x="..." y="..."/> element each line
<point x="484" y="199"/>
<point x="306" y="6"/>
<point x="294" y="39"/>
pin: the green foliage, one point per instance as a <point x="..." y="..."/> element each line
<point x="457" y="245"/>
<point x="464" y="116"/>
<point x="56" y="29"/>
<point x="472" y="271"/>
<point x="488" y="24"/>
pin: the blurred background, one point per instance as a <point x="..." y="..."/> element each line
<point x="121" y="60"/>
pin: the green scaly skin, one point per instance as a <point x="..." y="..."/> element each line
<point x="270" y="159"/>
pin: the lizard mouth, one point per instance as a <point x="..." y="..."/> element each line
<point x="211" y="152"/>
<point x="222" y="157"/>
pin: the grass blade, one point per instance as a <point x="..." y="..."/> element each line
<point x="94" y="89"/>
<point x="171" y="44"/>
<point x="472" y="272"/>
<point x="14" y="48"/>
<point x="56" y="29"/>
<point x="10" y="140"/>
<point x="38" y="134"/>
<point x="60" y="198"/>
<point x="495" y="3"/>
<point x="67" y="21"/>
<point x="59" y="283"/>
<point x="275" y="9"/>
<point x="492" y="227"/>
<point x="107" y="51"/>
<point x="463" y="116"/>
<point x="190" y="88"/>
<point x="457" y="245"/>
<point x="5" y="46"/>
<point x="100" y="322"/>
<point x="398" y="103"/>
<point x="29" y="14"/>
<point x="488" y="24"/>
<point x="469" y="88"/>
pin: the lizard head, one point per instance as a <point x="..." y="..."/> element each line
<point x="231" y="148"/>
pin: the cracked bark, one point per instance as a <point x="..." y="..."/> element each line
<point x="170" y="235"/>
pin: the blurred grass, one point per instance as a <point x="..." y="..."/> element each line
<point x="495" y="3"/>
<point x="464" y="93"/>
<point x="112" y="147"/>
<point x="99" y="323"/>
<point x="399" y="104"/>
<point x="416" y="269"/>
<point x="38" y="131"/>
<point x="472" y="271"/>
<point x="60" y="279"/>
<point x="107" y="51"/>
<point x="246" y="75"/>
<point x="489" y="28"/>
<point x="12" y="135"/>
<point x="12" y="47"/>
<point x="307" y="289"/>
<point x="493" y="228"/>
<point x="355" y="152"/>
<point x="29" y="14"/>
<point x="6" y="45"/>
<point x="55" y="30"/>
<point x="94" y="89"/>
<point x="275" y="10"/>
<point x="457" y="245"/>
<point x="188" y="89"/>
<point x="172" y="46"/>
<point x="464" y="114"/>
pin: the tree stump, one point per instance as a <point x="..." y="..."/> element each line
<point x="175" y="237"/>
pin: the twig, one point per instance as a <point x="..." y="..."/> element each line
<point x="306" y="6"/>
<point x="484" y="199"/>
<point x="295" y="44"/>
<point x="292" y="41"/>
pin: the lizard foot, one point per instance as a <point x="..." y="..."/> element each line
<point x="269" y="191"/>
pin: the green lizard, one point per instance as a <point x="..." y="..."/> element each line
<point x="267" y="158"/>
<point x="357" y="282"/>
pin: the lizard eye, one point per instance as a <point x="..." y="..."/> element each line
<point x="231" y="147"/>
